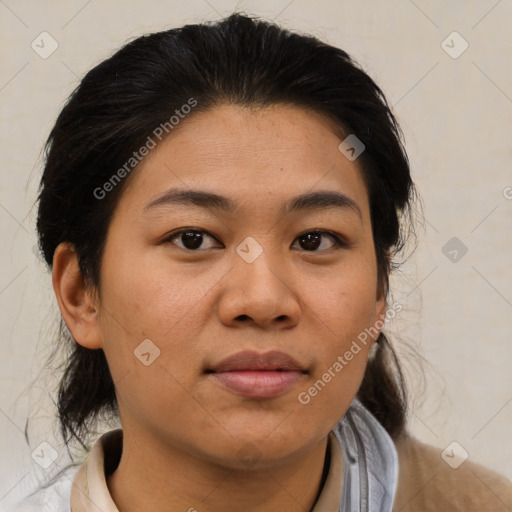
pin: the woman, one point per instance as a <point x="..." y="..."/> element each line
<point x="220" y="208"/>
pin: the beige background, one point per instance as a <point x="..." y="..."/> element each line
<point x="456" y="114"/>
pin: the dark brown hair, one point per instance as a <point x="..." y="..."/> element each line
<point x="239" y="60"/>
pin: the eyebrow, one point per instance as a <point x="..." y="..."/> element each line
<point x="317" y="200"/>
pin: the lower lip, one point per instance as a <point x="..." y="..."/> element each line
<point x="258" y="384"/>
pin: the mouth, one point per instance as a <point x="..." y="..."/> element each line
<point x="258" y="375"/>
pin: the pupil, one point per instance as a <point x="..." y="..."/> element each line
<point x="194" y="241"/>
<point x="312" y="240"/>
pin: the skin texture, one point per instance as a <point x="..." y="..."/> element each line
<point x="184" y="433"/>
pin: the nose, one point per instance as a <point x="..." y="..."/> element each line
<point x="260" y="294"/>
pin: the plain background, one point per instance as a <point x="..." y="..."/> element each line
<point x="456" y="114"/>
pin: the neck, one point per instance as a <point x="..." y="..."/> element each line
<point x="156" y="477"/>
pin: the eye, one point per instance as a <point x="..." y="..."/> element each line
<point x="190" y="238"/>
<point x="312" y="240"/>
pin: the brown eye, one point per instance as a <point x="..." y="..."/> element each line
<point x="312" y="240"/>
<point x="191" y="239"/>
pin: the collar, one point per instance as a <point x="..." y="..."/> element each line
<point x="362" y="474"/>
<point x="90" y="492"/>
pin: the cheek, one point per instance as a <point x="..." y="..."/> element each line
<point x="345" y="315"/>
<point x="149" y="338"/>
<point x="143" y="301"/>
<point x="149" y="297"/>
<point x="342" y="355"/>
<point x="345" y="303"/>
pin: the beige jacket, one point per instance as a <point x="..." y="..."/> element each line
<point x="426" y="483"/>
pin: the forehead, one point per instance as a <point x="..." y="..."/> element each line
<point x="250" y="155"/>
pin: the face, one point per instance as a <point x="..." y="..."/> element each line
<point x="286" y="288"/>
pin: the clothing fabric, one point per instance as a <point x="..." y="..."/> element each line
<point x="426" y="483"/>
<point x="362" y="474"/>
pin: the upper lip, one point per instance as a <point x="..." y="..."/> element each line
<point x="251" y="360"/>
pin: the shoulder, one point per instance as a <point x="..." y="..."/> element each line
<point x="51" y="497"/>
<point x="427" y="483"/>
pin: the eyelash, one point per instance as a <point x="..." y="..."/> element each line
<point x="339" y="242"/>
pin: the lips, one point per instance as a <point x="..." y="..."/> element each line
<point x="258" y="375"/>
<point x="248" y="360"/>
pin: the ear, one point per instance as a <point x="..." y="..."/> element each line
<point x="78" y="306"/>
<point x="380" y="307"/>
